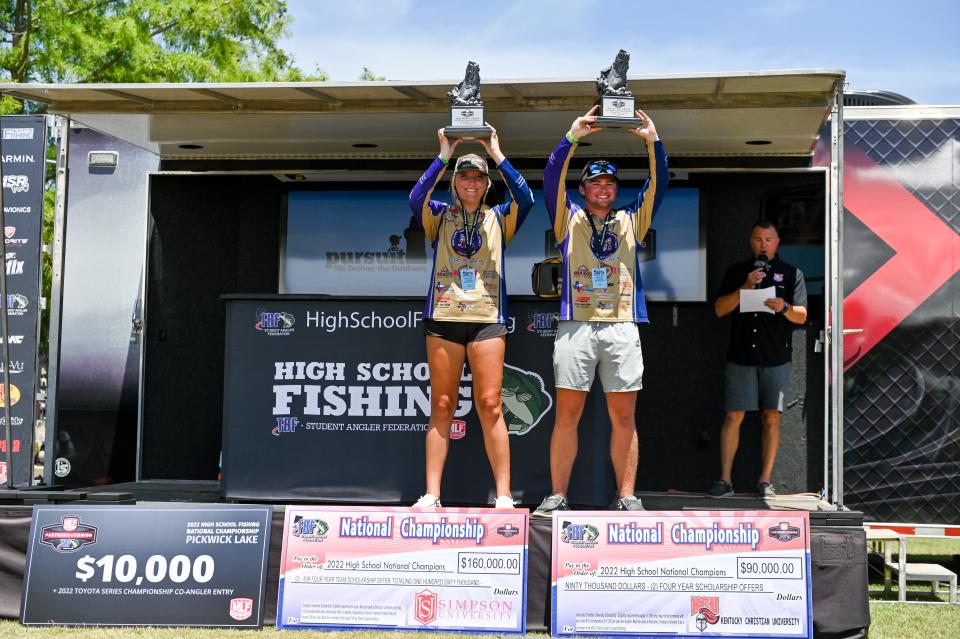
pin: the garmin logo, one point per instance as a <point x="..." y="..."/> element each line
<point x="18" y="158"/>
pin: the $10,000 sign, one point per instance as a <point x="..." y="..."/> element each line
<point x="166" y="565"/>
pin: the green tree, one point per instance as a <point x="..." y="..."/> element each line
<point x="65" y="41"/>
<point x="367" y="75"/>
<point x="145" y="41"/>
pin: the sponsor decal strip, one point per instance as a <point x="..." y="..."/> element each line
<point x="451" y="569"/>
<point x="744" y="574"/>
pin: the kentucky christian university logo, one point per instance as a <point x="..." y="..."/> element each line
<point x="706" y="611"/>
<point x="69" y="535"/>
<point x="425" y="606"/>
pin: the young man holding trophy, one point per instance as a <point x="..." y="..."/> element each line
<point x="602" y="297"/>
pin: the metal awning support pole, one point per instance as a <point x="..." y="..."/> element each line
<point x="835" y="279"/>
<point x="7" y="399"/>
<point x="61" y="132"/>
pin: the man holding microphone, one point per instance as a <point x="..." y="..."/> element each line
<point x="760" y="351"/>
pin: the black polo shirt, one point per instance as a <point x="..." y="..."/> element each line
<point x="763" y="339"/>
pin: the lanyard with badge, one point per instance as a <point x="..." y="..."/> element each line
<point x="597" y="242"/>
<point x="468" y="276"/>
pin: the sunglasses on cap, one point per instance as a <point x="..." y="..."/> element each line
<point x="598" y="168"/>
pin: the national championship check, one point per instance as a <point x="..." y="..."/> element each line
<point x="455" y="569"/>
<point x="739" y="574"/>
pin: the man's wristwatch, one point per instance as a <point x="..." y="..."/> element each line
<point x="786" y="307"/>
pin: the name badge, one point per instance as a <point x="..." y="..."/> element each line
<point x="599" y="278"/>
<point x="468" y="279"/>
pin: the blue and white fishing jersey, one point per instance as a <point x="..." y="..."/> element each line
<point x="621" y="299"/>
<point x="467" y="283"/>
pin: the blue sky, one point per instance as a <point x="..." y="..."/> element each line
<point x="911" y="48"/>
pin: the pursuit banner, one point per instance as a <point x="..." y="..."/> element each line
<point x="734" y="574"/>
<point x="452" y="569"/>
<point x="22" y="145"/>
<point x="147" y="565"/>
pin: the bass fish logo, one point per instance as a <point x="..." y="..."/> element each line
<point x="525" y="399"/>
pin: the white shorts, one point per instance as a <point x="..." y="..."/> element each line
<point x="583" y="347"/>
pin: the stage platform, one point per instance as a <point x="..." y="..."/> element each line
<point x="837" y="548"/>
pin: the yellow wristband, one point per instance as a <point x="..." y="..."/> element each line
<point x="572" y="139"/>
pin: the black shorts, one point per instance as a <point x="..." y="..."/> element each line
<point x="462" y="332"/>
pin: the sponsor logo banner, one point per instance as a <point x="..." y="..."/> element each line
<point x="681" y="574"/>
<point x="22" y="185"/>
<point x="450" y="569"/>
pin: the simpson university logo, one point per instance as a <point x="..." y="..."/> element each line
<point x="69" y="535"/>
<point x="16" y="183"/>
<point x="525" y="399"/>
<point x="425" y="606"/>
<point x="274" y="322"/>
<point x="705" y="611"/>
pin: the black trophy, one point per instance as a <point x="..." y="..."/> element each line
<point x="614" y="98"/>
<point x="466" y="107"/>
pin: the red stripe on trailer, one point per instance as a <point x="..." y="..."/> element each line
<point x="920" y="239"/>
<point x="918" y="530"/>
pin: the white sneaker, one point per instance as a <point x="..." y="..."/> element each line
<point x="504" y="501"/>
<point x="428" y="501"/>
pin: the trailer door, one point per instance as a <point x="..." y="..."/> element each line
<point x="901" y="313"/>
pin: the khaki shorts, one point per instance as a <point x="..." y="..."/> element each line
<point x="613" y="348"/>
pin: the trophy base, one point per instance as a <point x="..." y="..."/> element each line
<point x="461" y="132"/>
<point x="619" y="123"/>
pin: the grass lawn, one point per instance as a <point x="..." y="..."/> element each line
<point x="904" y="621"/>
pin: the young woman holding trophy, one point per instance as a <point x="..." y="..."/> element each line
<point x="465" y="315"/>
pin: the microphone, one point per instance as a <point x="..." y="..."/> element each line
<point x="761" y="261"/>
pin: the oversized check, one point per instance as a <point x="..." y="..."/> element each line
<point x="735" y="573"/>
<point x="454" y="569"/>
